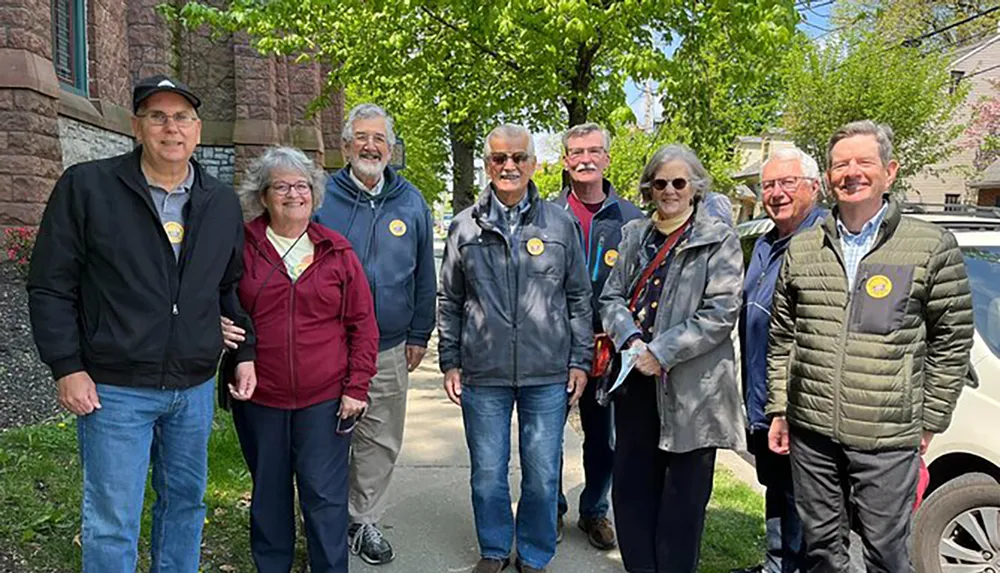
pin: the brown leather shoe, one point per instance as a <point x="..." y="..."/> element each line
<point x="522" y="568"/>
<point x="491" y="565"/>
<point x="599" y="532"/>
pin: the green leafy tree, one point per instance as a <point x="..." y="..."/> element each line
<point x="860" y="75"/>
<point x="549" y="64"/>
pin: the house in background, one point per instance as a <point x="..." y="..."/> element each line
<point x="977" y="65"/>
<point x="66" y="71"/>
<point x="751" y="151"/>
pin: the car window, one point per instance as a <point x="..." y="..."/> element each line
<point x="983" y="266"/>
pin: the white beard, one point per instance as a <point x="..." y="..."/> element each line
<point x="364" y="168"/>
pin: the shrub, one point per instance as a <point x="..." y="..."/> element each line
<point x="18" y="242"/>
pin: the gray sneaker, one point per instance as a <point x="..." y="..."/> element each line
<point x="367" y="542"/>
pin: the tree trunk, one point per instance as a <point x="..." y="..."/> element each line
<point x="462" y="167"/>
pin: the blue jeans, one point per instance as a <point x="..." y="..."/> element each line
<point x="598" y="455"/>
<point x="133" y="427"/>
<point x="541" y="412"/>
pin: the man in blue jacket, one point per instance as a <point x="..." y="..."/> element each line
<point x="389" y="226"/>
<point x="602" y="214"/>
<point x="790" y="184"/>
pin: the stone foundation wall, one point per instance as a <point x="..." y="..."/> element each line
<point x="217" y="160"/>
<point x="83" y="142"/>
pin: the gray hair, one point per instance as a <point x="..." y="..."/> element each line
<point x="509" y="131"/>
<point x="586" y="129"/>
<point x="368" y="111"/>
<point x="700" y="180"/>
<point x="258" y="177"/>
<point x="809" y="166"/>
<point x="880" y="131"/>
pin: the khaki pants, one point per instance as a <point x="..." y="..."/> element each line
<point x="378" y="437"/>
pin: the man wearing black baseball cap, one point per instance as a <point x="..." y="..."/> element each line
<point x="135" y="257"/>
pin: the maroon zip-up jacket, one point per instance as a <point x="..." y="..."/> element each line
<point x="316" y="337"/>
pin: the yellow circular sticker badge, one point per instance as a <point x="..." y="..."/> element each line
<point x="879" y="286"/>
<point x="175" y="232"/>
<point x="611" y="257"/>
<point x="535" y="247"/>
<point x="397" y="227"/>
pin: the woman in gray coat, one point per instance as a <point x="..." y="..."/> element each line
<point x="674" y="296"/>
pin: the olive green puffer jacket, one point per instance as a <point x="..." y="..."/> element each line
<point x="873" y="368"/>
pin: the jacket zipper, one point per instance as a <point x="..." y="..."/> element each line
<point x="597" y="259"/>
<point x="291" y="343"/>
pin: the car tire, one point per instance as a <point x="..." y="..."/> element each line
<point x="967" y="493"/>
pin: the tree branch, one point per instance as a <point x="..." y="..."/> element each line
<point x="482" y="48"/>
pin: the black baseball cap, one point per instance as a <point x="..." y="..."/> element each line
<point x="161" y="83"/>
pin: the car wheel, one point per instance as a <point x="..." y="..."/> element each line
<point x="957" y="529"/>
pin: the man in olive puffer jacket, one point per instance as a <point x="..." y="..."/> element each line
<point x="869" y="345"/>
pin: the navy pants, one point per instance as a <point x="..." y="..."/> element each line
<point x="785" y="547"/>
<point x="282" y="445"/>
<point x="660" y="497"/>
<point x="598" y="455"/>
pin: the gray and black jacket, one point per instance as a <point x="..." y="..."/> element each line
<point x="511" y="313"/>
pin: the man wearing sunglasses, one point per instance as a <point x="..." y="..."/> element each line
<point x="592" y="200"/>
<point x="515" y="330"/>
<point x="136" y="257"/>
<point x="790" y="186"/>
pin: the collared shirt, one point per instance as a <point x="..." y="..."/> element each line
<point x="514" y="215"/>
<point x="374" y="191"/>
<point x="170" y="207"/>
<point x="856" y="246"/>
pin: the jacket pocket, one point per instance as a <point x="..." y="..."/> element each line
<point x="881" y="294"/>
<point x="908" y="380"/>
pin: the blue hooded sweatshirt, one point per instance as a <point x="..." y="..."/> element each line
<point x="755" y="316"/>
<point x="392" y="234"/>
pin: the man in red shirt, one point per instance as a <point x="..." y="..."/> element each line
<point x="602" y="214"/>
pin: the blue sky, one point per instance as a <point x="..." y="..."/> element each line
<point x="815" y="24"/>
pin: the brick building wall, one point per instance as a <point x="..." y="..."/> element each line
<point x="249" y="102"/>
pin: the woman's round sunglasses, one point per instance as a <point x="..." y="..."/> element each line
<point x="677" y="183"/>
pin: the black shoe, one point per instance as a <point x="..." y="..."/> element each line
<point x="754" y="569"/>
<point x="367" y="542"/>
<point x="491" y="565"/>
<point x="559" y="529"/>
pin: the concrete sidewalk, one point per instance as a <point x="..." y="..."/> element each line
<point x="429" y="520"/>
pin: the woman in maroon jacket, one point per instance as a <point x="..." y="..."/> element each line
<point x="317" y="344"/>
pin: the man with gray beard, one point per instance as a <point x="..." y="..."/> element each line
<point x="592" y="200"/>
<point x="389" y="226"/>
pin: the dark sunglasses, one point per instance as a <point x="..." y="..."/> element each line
<point x="346" y="425"/>
<point x="677" y="183"/>
<point x="500" y="159"/>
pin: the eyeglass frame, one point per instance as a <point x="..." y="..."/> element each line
<point x="656" y="184"/>
<point x="767" y="186"/>
<point x="357" y="418"/>
<point x="181" y="119"/>
<point x="288" y="188"/>
<point x="519" y="158"/>
<point x="578" y="152"/>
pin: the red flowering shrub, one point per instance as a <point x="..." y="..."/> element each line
<point x="18" y="243"/>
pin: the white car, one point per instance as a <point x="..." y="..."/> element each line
<point x="957" y="528"/>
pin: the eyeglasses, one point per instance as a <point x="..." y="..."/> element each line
<point x="362" y="138"/>
<point x="577" y="152"/>
<point x="677" y="183"/>
<point x="352" y="422"/>
<point x="500" y="159"/>
<point x="786" y="183"/>
<point x="160" y="119"/>
<point x="301" y="188"/>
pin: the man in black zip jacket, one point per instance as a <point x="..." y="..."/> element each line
<point x="602" y="214"/>
<point x="136" y="258"/>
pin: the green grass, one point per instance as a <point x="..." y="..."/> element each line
<point x="734" y="526"/>
<point x="40" y="501"/>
